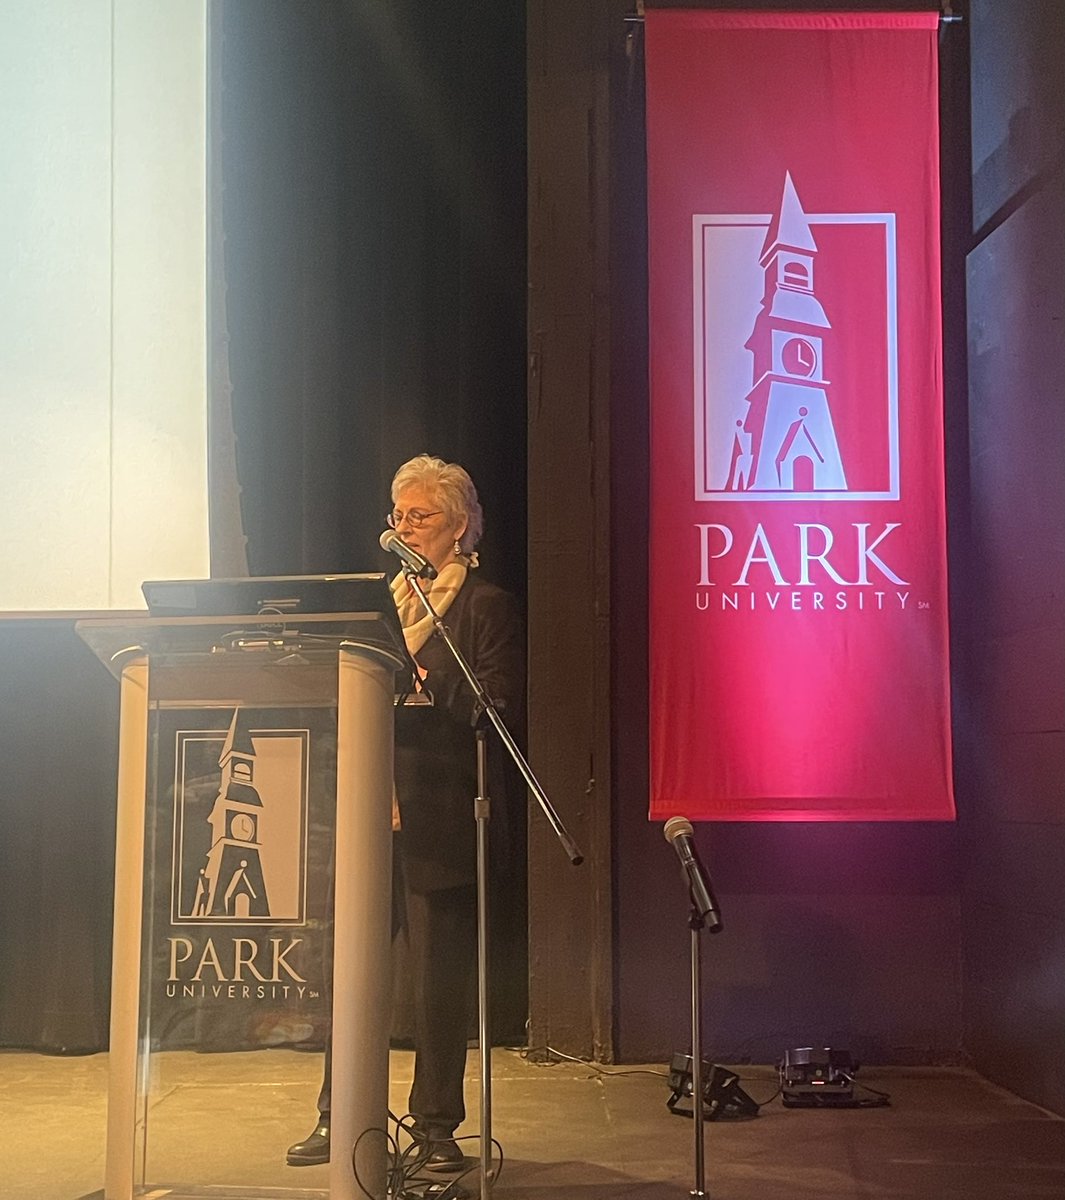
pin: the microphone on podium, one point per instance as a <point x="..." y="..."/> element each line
<point x="394" y="544"/>
<point x="679" y="833"/>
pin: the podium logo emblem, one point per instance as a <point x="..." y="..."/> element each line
<point x="796" y="355"/>
<point x="240" y="826"/>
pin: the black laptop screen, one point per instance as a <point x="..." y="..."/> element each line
<point x="266" y="594"/>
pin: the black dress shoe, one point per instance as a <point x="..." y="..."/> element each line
<point x="312" y="1150"/>
<point x="444" y="1156"/>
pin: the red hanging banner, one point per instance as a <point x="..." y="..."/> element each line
<point x="798" y="598"/>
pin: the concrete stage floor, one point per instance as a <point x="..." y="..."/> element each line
<point x="568" y="1132"/>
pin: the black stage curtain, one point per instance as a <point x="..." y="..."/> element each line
<point x="58" y="759"/>
<point x="368" y="214"/>
<point x="373" y="201"/>
<point x="372" y="186"/>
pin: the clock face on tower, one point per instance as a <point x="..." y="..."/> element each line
<point x="241" y="827"/>
<point x="799" y="357"/>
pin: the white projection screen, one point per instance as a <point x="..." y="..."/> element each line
<point x="103" y="408"/>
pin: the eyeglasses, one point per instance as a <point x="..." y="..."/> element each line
<point x="415" y="518"/>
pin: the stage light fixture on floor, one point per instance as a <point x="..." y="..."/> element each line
<point x="723" y="1098"/>
<point x="817" y="1078"/>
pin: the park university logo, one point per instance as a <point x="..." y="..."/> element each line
<point x="795" y="368"/>
<point x="240" y="826"/>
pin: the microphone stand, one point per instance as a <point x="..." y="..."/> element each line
<point x="482" y="813"/>
<point x="697" y="923"/>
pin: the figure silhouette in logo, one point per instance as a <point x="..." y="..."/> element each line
<point x="740" y="467"/>
<point x="201" y="902"/>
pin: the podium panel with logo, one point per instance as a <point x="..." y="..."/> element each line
<point x="253" y="754"/>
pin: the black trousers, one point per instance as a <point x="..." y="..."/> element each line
<point x="442" y="937"/>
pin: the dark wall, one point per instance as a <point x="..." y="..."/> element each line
<point x="570" y="368"/>
<point x="1013" y="820"/>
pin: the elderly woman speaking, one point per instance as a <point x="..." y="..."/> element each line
<point x="435" y="511"/>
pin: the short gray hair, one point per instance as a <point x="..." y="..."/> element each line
<point x="452" y="486"/>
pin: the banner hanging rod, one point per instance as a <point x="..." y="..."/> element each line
<point x="947" y="16"/>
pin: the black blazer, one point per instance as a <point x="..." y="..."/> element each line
<point x="436" y="764"/>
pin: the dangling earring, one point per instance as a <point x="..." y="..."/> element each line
<point x="458" y="547"/>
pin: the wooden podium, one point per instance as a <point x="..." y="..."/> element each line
<point x="228" y="727"/>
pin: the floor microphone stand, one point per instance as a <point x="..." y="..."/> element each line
<point x="487" y="711"/>
<point x="697" y="923"/>
<point x="482" y="811"/>
<point x="704" y="914"/>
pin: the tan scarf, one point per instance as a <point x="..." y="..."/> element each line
<point x="416" y="622"/>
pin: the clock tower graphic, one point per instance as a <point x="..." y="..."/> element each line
<point x="787" y="441"/>
<point x="231" y="883"/>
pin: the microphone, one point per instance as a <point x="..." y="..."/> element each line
<point x="392" y="542"/>
<point x="678" y="832"/>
